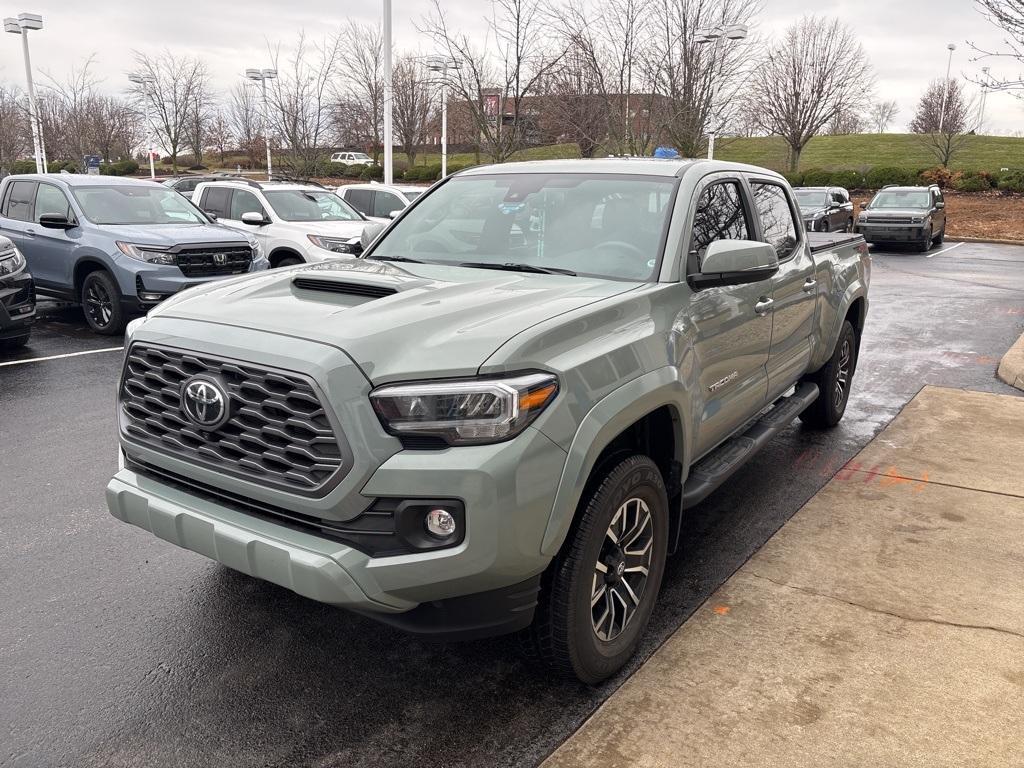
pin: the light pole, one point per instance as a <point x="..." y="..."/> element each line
<point x="145" y="83"/>
<point x="389" y="175"/>
<point x="21" y="26"/>
<point x="715" y="35"/>
<point x="442" y="65"/>
<point x="984" y="95"/>
<point x="261" y="76"/>
<point x="945" y="91"/>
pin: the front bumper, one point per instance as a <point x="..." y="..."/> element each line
<point x="17" y="305"/>
<point x="892" y="233"/>
<point x="485" y="585"/>
<point x="143" y="286"/>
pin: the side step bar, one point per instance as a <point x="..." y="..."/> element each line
<point x="718" y="466"/>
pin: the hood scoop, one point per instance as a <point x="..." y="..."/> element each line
<point x="347" y="288"/>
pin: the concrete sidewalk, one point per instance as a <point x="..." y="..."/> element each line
<point x="883" y="625"/>
<point x="1011" y="367"/>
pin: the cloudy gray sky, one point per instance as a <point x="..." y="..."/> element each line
<point x="905" y="39"/>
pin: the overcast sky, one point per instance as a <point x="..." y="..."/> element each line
<point x="905" y="39"/>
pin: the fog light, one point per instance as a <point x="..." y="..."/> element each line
<point x="151" y="296"/>
<point x="440" y="523"/>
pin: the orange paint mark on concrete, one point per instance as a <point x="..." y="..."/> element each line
<point x="721" y="610"/>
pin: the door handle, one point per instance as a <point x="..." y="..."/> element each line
<point x="763" y="307"/>
<point x="810" y="284"/>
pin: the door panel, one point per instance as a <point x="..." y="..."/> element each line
<point x="16" y="222"/>
<point x="793" y="288"/>
<point x="53" y="248"/>
<point x="731" y="340"/>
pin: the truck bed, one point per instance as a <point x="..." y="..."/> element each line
<point x="824" y="241"/>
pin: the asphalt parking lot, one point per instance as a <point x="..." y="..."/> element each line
<point x="117" y="649"/>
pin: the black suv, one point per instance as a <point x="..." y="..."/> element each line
<point x="17" y="297"/>
<point x="905" y="215"/>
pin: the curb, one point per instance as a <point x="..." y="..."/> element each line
<point x="983" y="240"/>
<point x="1011" y="367"/>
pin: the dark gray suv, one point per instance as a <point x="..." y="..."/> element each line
<point x="914" y="215"/>
<point x="825" y="209"/>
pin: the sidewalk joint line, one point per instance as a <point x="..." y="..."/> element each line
<point x="846" y="468"/>
<point x="883" y="612"/>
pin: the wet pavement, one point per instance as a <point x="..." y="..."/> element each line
<point x="119" y="649"/>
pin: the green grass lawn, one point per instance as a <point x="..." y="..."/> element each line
<point x="863" y="151"/>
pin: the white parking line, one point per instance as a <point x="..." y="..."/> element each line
<point x="60" y="357"/>
<point x="950" y="248"/>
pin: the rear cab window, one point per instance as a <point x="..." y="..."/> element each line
<point x="778" y="222"/>
<point x="216" y="200"/>
<point x="19" y="202"/>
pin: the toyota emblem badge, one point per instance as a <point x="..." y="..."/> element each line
<point x="204" y="402"/>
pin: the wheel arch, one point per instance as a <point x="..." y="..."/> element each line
<point x="283" y="252"/>
<point x="83" y="268"/>
<point x="646" y="416"/>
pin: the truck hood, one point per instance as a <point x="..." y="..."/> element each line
<point x="342" y="229"/>
<point x="174" y="234"/>
<point x="434" y="321"/>
<point x="887" y="212"/>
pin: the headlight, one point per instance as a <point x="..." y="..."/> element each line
<point x="256" y="245"/>
<point x="465" y="412"/>
<point x="335" y="244"/>
<point x="862" y="217"/>
<point x="151" y="254"/>
<point x="11" y="261"/>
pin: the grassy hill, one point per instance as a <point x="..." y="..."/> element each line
<point x="862" y="151"/>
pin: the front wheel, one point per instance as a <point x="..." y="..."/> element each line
<point x="849" y="225"/>
<point x="926" y="243"/>
<point x="599" y="592"/>
<point x="833" y="382"/>
<point x="101" y="302"/>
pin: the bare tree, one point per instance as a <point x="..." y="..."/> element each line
<point x="174" y="82"/>
<point x="218" y="132"/>
<point x="943" y="119"/>
<point x="14" y="129"/>
<point x="845" y="123"/>
<point x="1008" y="16"/>
<point x="116" y="128"/>
<point x="200" y="113"/>
<point x="699" y="81"/>
<point x="362" y="60"/>
<point x="575" y="105"/>
<point x="413" y="95"/>
<point x="883" y="113"/>
<point x="243" y="117"/>
<point x="817" y="69"/>
<point x="300" y="100"/>
<point x="498" y="75"/>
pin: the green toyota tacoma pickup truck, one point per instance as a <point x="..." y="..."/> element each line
<point x="497" y="418"/>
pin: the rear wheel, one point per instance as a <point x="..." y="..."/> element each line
<point x="598" y="593"/>
<point x="833" y="382"/>
<point x="849" y="225"/>
<point x="939" y="238"/>
<point x="101" y="303"/>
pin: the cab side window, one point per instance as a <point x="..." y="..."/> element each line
<point x="720" y="215"/>
<point x="776" y="215"/>
<point x="384" y="203"/>
<point x="51" y="200"/>
<point x="244" y="201"/>
<point x="360" y="199"/>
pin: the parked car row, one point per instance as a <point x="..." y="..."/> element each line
<point x="121" y="246"/>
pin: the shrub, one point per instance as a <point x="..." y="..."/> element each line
<point x="120" y="168"/>
<point x="197" y="167"/>
<point x="940" y="175"/>
<point x="974" y="181"/>
<point x="353" y="171"/>
<point x="423" y="172"/>
<point x="816" y="177"/>
<point x="848" y="180"/>
<point x="1011" y="181"/>
<point x="372" y="172"/>
<point x="795" y="178"/>
<point x="456" y="167"/>
<point x="879" y="177"/>
<point x="56" y="166"/>
<point x="23" y="166"/>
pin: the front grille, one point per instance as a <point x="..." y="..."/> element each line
<point x="214" y="261"/>
<point x="889" y="220"/>
<point x="278" y="433"/>
<point x="338" y="286"/>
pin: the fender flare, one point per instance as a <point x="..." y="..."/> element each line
<point x="602" y="424"/>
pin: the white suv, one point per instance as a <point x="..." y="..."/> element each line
<point x="352" y="158"/>
<point x="294" y="222"/>
<point x="379" y="202"/>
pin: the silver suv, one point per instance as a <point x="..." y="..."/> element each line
<point x="915" y="215"/>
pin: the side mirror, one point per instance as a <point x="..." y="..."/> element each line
<point x="863" y="206"/>
<point x="254" y="219"/>
<point x="211" y="214"/>
<point x="940" y="205"/>
<point x="56" y="221"/>
<point x="395" y="213"/>
<point x="736" y="262"/>
<point x="370" y="233"/>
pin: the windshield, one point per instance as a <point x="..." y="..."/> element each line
<point x="810" y="198"/>
<point x="360" y="156"/>
<point x="916" y="199"/>
<point x="310" y="205"/>
<point x="411" y="195"/>
<point x="593" y="224"/>
<point x="136" y="204"/>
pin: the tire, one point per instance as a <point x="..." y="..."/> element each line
<point x="575" y="634"/>
<point x="16" y="342"/>
<point x="926" y="243"/>
<point x="823" y="226"/>
<point x="289" y="261"/>
<point x="834" y="381"/>
<point x="939" y="238"/>
<point x="101" y="303"/>
<point x="849" y="225"/>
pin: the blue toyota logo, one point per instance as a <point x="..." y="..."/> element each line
<point x="204" y="402"/>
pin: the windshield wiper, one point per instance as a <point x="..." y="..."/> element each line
<point x="513" y="267"/>
<point x="394" y="258"/>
